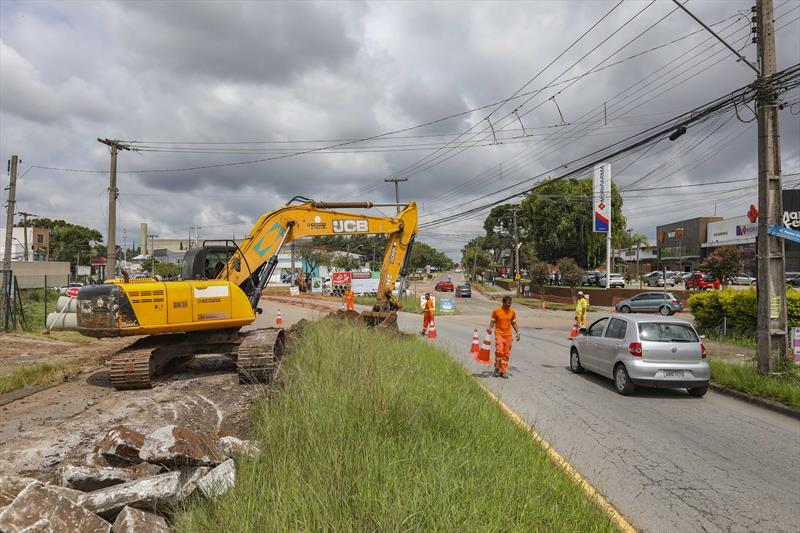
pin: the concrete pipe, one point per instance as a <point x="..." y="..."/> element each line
<point x="67" y="321"/>
<point x="64" y="301"/>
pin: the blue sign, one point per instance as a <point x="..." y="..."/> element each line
<point x="784" y="233"/>
<point x="447" y="304"/>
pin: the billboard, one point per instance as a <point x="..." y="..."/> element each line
<point x="340" y="278"/>
<point x="601" y="197"/>
<point x="365" y="285"/>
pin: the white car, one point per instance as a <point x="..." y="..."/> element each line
<point x="616" y="281"/>
<point x="743" y="279"/>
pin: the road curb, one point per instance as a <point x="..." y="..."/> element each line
<point x="761" y="402"/>
<point x="612" y="512"/>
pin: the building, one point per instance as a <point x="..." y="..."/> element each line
<point x="680" y="243"/>
<point x="737" y="231"/>
<point x="645" y="256"/>
<point x="37" y="239"/>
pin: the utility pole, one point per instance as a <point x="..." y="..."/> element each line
<point x="396" y="182"/>
<point x="12" y="196"/>
<point x="516" y="250"/>
<point x="25" y="231"/>
<point x="113" y="193"/>
<point x="771" y="262"/>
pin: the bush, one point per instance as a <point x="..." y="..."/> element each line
<point x="740" y="307"/>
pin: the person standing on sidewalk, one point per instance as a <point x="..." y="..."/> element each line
<point x="427" y="313"/>
<point x="503" y="320"/>
<point x="580" y="310"/>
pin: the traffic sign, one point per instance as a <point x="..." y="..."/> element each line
<point x="72" y="292"/>
<point x="784" y="233"/>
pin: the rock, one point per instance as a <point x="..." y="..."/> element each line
<point x="132" y="520"/>
<point x="189" y="478"/>
<point x="11" y="486"/>
<point x="68" y="493"/>
<point x="180" y="446"/>
<point x="219" y="480"/>
<point x="146" y="470"/>
<point x="232" y="446"/>
<point x="89" y="478"/>
<point x="121" y="443"/>
<point x="154" y="493"/>
<point x="40" y="508"/>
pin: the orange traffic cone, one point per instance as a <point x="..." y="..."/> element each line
<point x="476" y="344"/>
<point x="279" y="319"/>
<point x="574" y="332"/>
<point x="432" y="331"/>
<point x="484" y="355"/>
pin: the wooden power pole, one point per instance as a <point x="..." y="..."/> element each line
<point x="113" y="193"/>
<point x="771" y="261"/>
<point x="12" y="197"/>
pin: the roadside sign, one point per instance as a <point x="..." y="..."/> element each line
<point x="784" y="233"/>
<point x="72" y="292"/>
<point x="341" y="278"/>
<point x="316" y="285"/>
<point x="447" y="305"/>
<point x="796" y="344"/>
<point x="601" y="196"/>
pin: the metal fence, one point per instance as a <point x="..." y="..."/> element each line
<point x="26" y="301"/>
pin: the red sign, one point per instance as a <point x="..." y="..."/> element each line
<point x="98" y="260"/>
<point x="361" y="275"/>
<point x="752" y="214"/>
<point x="341" y="278"/>
<point x="72" y="292"/>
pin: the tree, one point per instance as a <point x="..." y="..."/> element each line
<point x="570" y="272"/>
<point x="423" y="255"/>
<point x="345" y="262"/>
<point x="724" y="263"/>
<point x="311" y="255"/>
<point x="540" y="273"/>
<point x="475" y="258"/>
<point x="168" y="270"/>
<point x="69" y="242"/>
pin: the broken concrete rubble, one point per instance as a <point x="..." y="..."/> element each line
<point x="156" y="493"/>
<point x="131" y="520"/>
<point x="11" y="486"/>
<point x="232" y="446"/>
<point x="89" y="478"/>
<point x="121" y="443"/>
<point x="180" y="446"/>
<point x="146" y="470"/>
<point x="219" y="480"/>
<point x="190" y="476"/>
<point x="39" y="504"/>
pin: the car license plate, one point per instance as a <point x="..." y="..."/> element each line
<point x="673" y="373"/>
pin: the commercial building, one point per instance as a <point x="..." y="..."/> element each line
<point x="680" y="243"/>
<point x="737" y="231"/>
<point x="37" y="239"/>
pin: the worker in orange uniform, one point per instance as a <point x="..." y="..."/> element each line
<point x="503" y="319"/>
<point x="427" y="313"/>
<point x="349" y="299"/>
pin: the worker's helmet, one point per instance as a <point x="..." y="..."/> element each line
<point x="580" y="293"/>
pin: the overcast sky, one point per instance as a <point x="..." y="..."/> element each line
<point x="311" y="75"/>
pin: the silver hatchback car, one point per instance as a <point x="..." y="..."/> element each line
<point x="646" y="351"/>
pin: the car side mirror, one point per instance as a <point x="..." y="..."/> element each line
<point x="583" y="331"/>
<point x="237" y="264"/>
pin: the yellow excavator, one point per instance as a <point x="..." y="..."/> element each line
<point x="220" y="291"/>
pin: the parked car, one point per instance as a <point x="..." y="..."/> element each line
<point x="743" y="279"/>
<point x="642" y="351"/>
<point x="444" y="286"/>
<point x="701" y="281"/>
<point x="591" y="277"/>
<point x="651" y="302"/>
<point x="63" y="289"/>
<point x="655" y="279"/>
<point x="616" y="280"/>
<point x="463" y="291"/>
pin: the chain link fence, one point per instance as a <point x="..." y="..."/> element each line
<point x="26" y="301"/>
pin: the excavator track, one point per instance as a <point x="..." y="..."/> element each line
<point x="259" y="354"/>
<point x="135" y="367"/>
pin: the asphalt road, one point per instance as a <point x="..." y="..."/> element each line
<point x="667" y="461"/>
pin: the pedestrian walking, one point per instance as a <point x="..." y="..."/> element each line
<point x="503" y="320"/>
<point x="349" y="299"/>
<point x="580" y="310"/>
<point x="427" y="312"/>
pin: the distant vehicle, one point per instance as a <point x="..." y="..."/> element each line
<point x="591" y="277"/>
<point x="701" y="281"/>
<point x="444" y="286"/>
<point x="643" y="351"/>
<point x="616" y="280"/>
<point x="656" y="279"/>
<point x="793" y="279"/>
<point x="651" y="302"/>
<point x="463" y="291"/>
<point x="63" y="289"/>
<point x="743" y="279"/>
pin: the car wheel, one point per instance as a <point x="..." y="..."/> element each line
<point x="698" y="392"/>
<point x="665" y="310"/>
<point x="575" y="362"/>
<point x="624" y="309"/>
<point x="622" y="382"/>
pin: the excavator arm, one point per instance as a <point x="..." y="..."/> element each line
<point x="252" y="264"/>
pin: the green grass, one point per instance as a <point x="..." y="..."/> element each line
<point x="410" y="304"/>
<point x="32" y="375"/>
<point x="784" y="387"/>
<point x="373" y="432"/>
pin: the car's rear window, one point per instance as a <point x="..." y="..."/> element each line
<point x="708" y="278"/>
<point x="666" y="332"/>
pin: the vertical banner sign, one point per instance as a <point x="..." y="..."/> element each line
<point x="601" y="195"/>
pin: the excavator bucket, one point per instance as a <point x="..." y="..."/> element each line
<point x="380" y="319"/>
